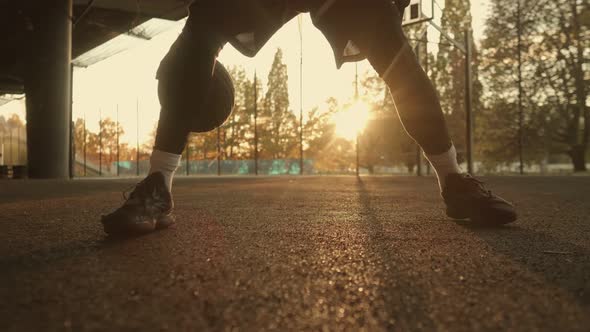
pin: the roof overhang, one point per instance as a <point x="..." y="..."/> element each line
<point x="97" y="22"/>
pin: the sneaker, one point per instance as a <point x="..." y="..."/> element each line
<point x="468" y="198"/>
<point x="148" y="208"/>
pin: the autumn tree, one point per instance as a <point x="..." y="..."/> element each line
<point x="237" y="127"/>
<point x="13" y="136"/>
<point x="252" y="101"/>
<point x="108" y="135"/>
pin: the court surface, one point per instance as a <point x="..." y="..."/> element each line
<point x="289" y="253"/>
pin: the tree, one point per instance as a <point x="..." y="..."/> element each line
<point x="236" y="134"/>
<point x="279" y="124"/>
<point x="79" y="136"/>
<point x="109" y="140"/>
<point x="318" y="132"/>
<point x="13" y="135"/>
<point x="3" y="125"/>
<point x="449" y="71"/>
<point x="384" y="140"/>
<point x="85" y="140"/>
<point x="236" y="128"/>
<point x="555" y="49"/>
<point x="204" y="145"/>
<point x="14" y="122"/>
<point x="566" y="45"/>
<point x="251" y="105"/>
<point x="329" y="152"/>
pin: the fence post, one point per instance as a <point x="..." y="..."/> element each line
<point x="99" y="142"/>
<point x="137" y="136"/>
<point x="118" y="148"/>
<point x="255" y="124"/>
<point x="218" y="151"/>
<point x="468" y="101"/>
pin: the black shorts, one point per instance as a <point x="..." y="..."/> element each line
<point x="351" y="26"/>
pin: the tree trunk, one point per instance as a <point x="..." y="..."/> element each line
<point x="578" y="155"/>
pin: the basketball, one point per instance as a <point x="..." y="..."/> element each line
<point x="218" y="104"/>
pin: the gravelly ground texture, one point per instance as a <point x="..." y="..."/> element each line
<point x="311" y="253"/>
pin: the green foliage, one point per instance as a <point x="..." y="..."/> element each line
<point x="384" y="141"/>
<point x="555" y="50"/>
<point x="449" y="71"/>
<point x="278" y="130"/>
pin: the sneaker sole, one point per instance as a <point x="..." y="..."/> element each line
<point x="165" y="221"/>
<point x="138" y="228"/>
<point x="475" y="216"/>
<point x="454" y="214"/>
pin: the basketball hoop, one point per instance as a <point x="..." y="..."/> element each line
<point x="418" y="11"/>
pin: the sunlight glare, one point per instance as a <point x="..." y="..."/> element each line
<point x="351" y="121"/>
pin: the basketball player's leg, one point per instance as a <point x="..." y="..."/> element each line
<point x="419" y="109"/>
<point x="415" y="97"/>
<point x="189" y="79"/>
<point x="184" y="77"/>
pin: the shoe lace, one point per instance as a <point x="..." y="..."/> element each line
<point x="134" y="190"/>
<point x="480" y="185"/>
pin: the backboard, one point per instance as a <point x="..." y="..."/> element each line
<point x="418" y="11"/>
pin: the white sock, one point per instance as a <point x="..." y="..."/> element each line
<point x="444" y="164"/>
<point x="165" y="162"/>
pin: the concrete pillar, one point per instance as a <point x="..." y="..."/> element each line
<point x="47" y="88"/>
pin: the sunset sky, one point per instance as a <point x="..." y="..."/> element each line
<point x="127" y="78"/>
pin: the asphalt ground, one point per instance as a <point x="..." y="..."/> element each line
<point x="289" y="253"/>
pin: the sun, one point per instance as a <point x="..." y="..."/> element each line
<point x="351" y="121"/>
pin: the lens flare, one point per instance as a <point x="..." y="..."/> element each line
<point x="351" y="121"/>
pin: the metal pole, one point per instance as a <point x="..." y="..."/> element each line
<point x="72" y="126"/>
<point x="73" y="150"/>
<point x="356" y="98"/>
<point x="466" y="48"/>
<point x="85" y="143"/>
<point x="137" y="137"/>
<point x="18" y="145"/>
<point x="255" y="124"/>
<point x="357" y="155"/>
<point x="188" y="146"/>
<point x="11" y="148"/>
<point x="300" y="97"/>
<point x="118" y="148"/>
<point x="99" y="142"/>
<point x="218" y="151"/>
<point x="418" y="161"/>
<point x="468" y="101"/>
<point x="426" y="69"/>
<point x="418" y="148"/>
<point x="356" y="81"/>
<point x="520" y="108"/>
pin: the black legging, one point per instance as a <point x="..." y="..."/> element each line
<point x="415" y="97"/>
<point x="183" y="80"/>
